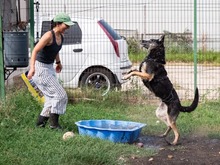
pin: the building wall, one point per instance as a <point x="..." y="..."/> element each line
<point x="13" y="13"/>
<point x="9" y="14"/>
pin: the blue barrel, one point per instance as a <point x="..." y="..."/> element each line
<point x="16" y="49"/>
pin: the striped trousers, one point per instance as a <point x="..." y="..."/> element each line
<point x="54" y="93"/>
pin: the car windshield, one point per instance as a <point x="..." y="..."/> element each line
<point x="110" y="30"/>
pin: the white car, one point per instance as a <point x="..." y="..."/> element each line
<point x="93" y="55"/>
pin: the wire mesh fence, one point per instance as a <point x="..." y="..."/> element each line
<point x="96" y="55"/>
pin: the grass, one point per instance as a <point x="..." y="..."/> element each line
<point x="208" y="57"/>
<point x="21" y="143"/>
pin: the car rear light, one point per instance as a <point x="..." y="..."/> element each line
<point x="114" y="43"/>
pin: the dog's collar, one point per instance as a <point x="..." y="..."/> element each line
<point x="156" y="60"/>
<point x="150" y="59"/>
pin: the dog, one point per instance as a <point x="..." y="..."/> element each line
<point x="154" y="76"/>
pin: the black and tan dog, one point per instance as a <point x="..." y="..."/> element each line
<point x="154" y="77"/>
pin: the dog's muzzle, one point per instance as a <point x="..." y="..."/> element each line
<point x="145" y="43"/>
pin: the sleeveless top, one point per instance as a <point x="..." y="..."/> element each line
<point x="48" y="54"/>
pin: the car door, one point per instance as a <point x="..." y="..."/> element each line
<point x="72" y="54"/>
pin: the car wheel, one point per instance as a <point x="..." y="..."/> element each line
<point x="98" y="79"/>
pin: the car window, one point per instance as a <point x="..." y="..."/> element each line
<point x="73" y="35"/>
<point x="110" y="30"/>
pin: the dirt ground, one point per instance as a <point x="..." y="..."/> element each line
<point x="192" y="150"/>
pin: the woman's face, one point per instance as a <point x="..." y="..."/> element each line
<point x="63" y="27"/>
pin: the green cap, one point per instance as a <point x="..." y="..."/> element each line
<point x="63" y="17"/>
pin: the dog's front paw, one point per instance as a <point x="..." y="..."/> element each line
<point x="133" y="68"/>
<point x="125" y="77"/>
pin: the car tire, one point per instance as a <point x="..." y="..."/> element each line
<point x="97" y="79"/>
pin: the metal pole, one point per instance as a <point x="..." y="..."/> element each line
<point x="195" y="44"/>
<point x="37" y="21"/>
<point x="31" y="5"/>
<point x="2" y="70"/>
<point x="145" y="17"/>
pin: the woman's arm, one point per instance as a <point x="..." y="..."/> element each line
<point x="58" y="59"/>
<point x="58" y="64"/>
<point x="46" y="39"/>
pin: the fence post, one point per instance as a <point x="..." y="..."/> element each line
<point x="2" y="70"/>
<point x="31" y="39"/>
<point x="195" y="44"/>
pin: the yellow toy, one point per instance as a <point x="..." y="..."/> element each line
<point x="33" y="89"/>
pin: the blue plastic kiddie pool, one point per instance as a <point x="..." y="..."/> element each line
<point x="114" y="130"/>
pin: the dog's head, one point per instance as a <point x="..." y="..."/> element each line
<point x="156" y="49"/>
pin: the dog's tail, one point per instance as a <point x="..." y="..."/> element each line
<point x="194" y="104"/>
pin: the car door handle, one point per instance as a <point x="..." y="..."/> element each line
<point x="77" y="50"/>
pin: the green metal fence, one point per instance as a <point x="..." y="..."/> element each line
<point x="139" y="19"/>
<point x="2" y="85"/>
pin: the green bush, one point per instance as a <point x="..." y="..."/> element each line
<point x="178" y="43"/>
<point x="133" y="45"/>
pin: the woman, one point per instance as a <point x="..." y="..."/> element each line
<point x="44" y="54"/>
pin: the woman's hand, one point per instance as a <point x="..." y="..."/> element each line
<point x="59" y="67"/>
<point x="31" y="73"/>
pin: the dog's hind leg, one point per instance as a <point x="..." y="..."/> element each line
<point x="161" y="114"/>
<point x="173" y="126"/>
<point x="166" y="132"/>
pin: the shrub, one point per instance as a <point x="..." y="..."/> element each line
<point x="178" y="43"/>
<point x="133" y="45"/>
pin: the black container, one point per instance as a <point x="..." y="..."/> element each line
<point x="16" y="49"/>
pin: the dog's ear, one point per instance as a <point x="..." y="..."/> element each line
<point x="161" y="39"/>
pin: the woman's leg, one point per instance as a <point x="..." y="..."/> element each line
<point x="54" y="93"/>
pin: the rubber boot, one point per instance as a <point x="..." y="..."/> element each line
<point x="54" y="121"/>
<point x="42" y="121"/>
